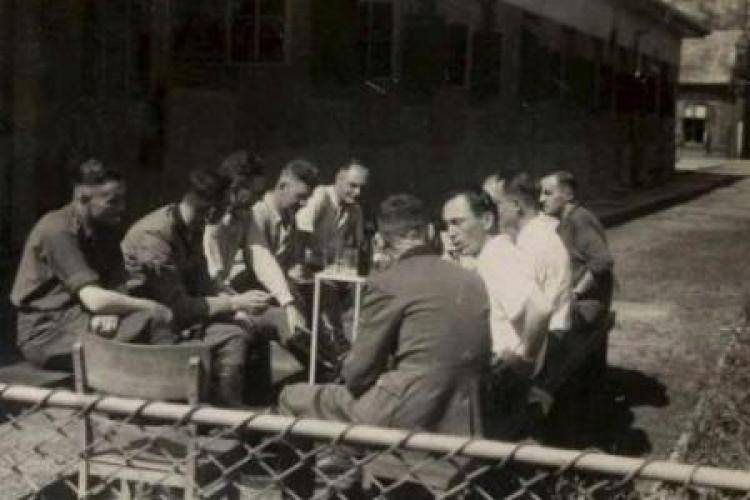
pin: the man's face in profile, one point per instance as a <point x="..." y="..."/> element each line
<point x="508" y="212"/>
<point x="467" y="232"/>
<point x="552" y="197"/>
<point x="293" y="194"/>
<point x="106" y="203"/>
<point x="350" y="183"/>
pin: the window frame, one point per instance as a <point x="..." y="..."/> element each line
<point x="394" y="63"/>
<point x="226" y="58"/>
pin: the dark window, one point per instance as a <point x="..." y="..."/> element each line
<point x="486" y="65"/>
<point x="375" y="39"/>
<point x="694" y="130"/>
<point x="425" y="41"/>
<point x="667" y="90"/>
<point x="540" y="65"/>
<point x="333" y="53"/>
<point x="229" y="31"/>
<point x="458" y="48"/>
<point x="627" y="86"/>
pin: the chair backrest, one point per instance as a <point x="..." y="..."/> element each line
<point x="162" y="372"/>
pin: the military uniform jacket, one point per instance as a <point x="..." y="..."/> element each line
<point x="423" y="344"/>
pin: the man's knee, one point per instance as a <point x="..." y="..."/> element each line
<point x="228" y="342"/>
<point x="145" y="327"/>
<point x="270" y="325"/>
<point x="327" y="402"/>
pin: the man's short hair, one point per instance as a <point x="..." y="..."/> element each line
<point x="92" y="173"/>
<point x="566" y="180"/>
<point x="242" y="166"/>
<point x="304" y="171"/>
<point x="400" y="214"/>
<point x="479" y="201"/>
<point x="208" y="186"/>
<point x="351" y="164"/>
<point x="522" y="187"/>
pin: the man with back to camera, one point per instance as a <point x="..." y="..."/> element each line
<point x="71" y="278"/>
<point x="423" y="344"/>
<point x="164" y="257"/>
<point x="586" y="241"/>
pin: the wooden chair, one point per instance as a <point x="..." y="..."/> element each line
<point x="165" y="373"/>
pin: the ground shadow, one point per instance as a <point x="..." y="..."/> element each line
<point x="599" y="415"/>
<point x="681" y="188"/>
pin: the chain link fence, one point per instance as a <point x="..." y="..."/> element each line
<point x="59" y="444"/>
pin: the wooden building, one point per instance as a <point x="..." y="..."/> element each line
<point x="430" y="93"/>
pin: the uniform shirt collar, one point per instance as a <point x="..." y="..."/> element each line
<point x="417" y="251"/>
<point x="79" y="223"/>
<point x="335" y="199"/>
<point x="269" y="200"/>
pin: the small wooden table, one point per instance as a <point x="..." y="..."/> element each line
<point x="332" y="276"/>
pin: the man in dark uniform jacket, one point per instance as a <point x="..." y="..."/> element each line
<point x="422" y="345"/>
<point x="71" y="279"/>
<point x="163" y="254"/>
<point x="586" y="241"/>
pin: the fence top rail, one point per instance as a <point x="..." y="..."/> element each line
<point x="364" y="435"/>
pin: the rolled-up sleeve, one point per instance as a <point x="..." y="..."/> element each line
<point x="162" y="280"/>
<point x="308" y="214"/>
<point x="66" y="260"/>
<point x="265" y="266"/>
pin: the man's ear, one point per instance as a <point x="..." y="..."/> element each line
<point x="488" y="221"/>
<point x="82" y="195"/>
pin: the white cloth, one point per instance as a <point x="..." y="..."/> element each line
<point x="552" y="267"/>
<point x="238" y="237"/>
<point x="331" y="223"/>
<point x="277" y="236"/>
<point x="508" y="275"/>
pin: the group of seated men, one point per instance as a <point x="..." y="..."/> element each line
<point x="517" y="266"/>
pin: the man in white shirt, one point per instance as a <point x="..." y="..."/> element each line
<point x="332" y="217"/>
<point x="515" y="196"/>
<point x="275" y="214"/>
<point x="519" y="310"/>
<point x="236" y="233"/>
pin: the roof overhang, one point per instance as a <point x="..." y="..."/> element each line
<point x="671" y="17"/>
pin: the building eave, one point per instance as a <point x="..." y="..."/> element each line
<point x="686" y="25"/>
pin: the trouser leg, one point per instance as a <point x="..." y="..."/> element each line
<point x="143" y="328"/>
<point x="46" y="339"/>
<point x="228" y="343"/>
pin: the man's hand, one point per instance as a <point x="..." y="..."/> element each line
<point x="252" y="301"/>
<point x="300" y="273"/>
<point x="295" y="319"/>
<point x="106" y="326"/>
<point x="161" y="314"/>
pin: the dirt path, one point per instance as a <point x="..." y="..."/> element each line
<point x="682" y="273"/>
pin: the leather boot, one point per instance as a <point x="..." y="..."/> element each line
<point x="229" y="385"/>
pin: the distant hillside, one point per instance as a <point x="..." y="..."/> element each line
<point x="720" y="14"/>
